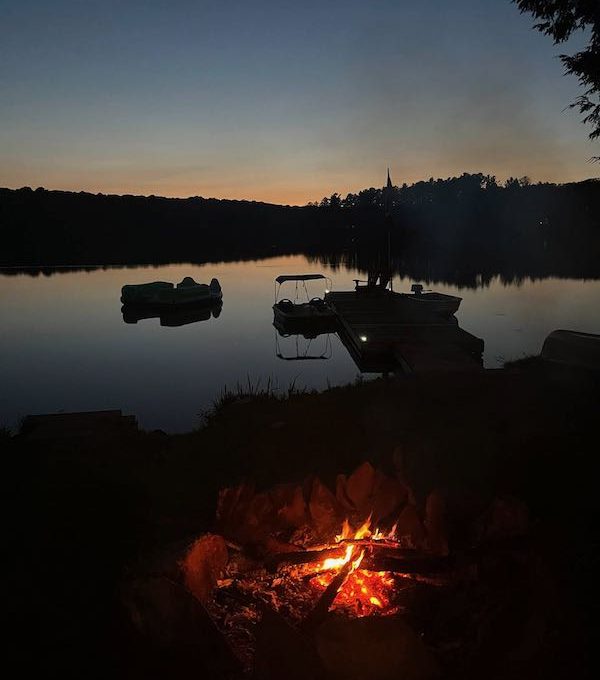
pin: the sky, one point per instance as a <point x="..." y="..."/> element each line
<point x="280" y="101"/>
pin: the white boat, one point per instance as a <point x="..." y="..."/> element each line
<point x="163" y="293"/>
<point x="311" y="313"/>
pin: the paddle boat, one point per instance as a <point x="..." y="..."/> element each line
<point x="163" y="293"/>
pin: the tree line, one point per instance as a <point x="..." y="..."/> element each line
<point x="458" y="229"/>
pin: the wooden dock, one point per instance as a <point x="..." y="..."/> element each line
<point x="381" y="339"/>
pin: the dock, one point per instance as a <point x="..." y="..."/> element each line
<point x="381" y="339"/>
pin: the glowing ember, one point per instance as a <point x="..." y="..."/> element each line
<point x="363" y="591"/>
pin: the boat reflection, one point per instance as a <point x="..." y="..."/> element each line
<point x="174" y="316"/>
<point x="302" y="347"/>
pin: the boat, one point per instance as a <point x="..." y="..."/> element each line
<point x="573" y="348"/>
<point x="427" y="303"/>
<point x="313" y="314"/>
<point x="163" y="293"/>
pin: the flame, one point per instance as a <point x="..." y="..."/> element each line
<point x="338" y="562"/>
<point x="364" y="591"/>
<point x="346" y="532"/>
<point x="364" y="530"/>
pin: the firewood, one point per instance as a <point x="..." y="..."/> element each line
<point x="273" y="562"/>
<point x="382" y="548"/>
<point x="379" y="556"/>
<point x="318" y="614"/>
<point x="419" y="564"/>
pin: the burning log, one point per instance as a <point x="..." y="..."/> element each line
<point x="379" y="556"/>
<point x="319" y="613"/>
<point x="419" y="564"/>
<point x="276" y="561"/>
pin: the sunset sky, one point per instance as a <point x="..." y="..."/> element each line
<point x="279" y="101"/>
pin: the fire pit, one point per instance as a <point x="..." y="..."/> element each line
<point x="302" y="555"/>
<point x="354" y="580"/>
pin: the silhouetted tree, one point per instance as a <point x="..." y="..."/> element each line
<point x="335" y="201"/>
<point x="560" y="19"/>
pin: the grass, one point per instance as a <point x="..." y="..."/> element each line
<point x="102" y="505"/>
<point x="251" y="390"/>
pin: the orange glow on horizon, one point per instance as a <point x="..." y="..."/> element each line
<point x="294" y="189"/>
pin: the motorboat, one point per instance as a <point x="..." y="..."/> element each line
<point x="163" y="293"/>
<point x="427" y="303"/>
<point x="312" y="313"/>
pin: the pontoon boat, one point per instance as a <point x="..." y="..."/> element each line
<point x="313" y="313"/>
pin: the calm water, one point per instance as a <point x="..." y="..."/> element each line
<point x="64" y="345"/>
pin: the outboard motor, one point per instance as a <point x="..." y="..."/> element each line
<point x="215" y="287"/>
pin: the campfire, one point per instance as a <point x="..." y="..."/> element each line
<point x="305" y="552"/>
<point x="352" y="579"/>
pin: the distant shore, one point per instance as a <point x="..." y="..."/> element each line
<point x="453" y="230"/>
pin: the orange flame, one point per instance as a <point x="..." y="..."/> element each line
<point x="363" y="590"/>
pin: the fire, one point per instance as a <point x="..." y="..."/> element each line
<point x="364" y="591"/>
<point x="337" y="562"/>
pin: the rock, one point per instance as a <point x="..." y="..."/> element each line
<point x="373" y="648"/>
<point x="359" y="486"/>
<point x="409" y="525"/>
<point x="283" y="652"/>
<point x="232" y="506"/>
<point x="388" y="497"/>
<point x="324" y="510"/>
<point x="173" y="634"/>
<point x="289" y="505"/>
<point x="435" y="523"/>
<point x="203" y="565"/>
<point x="507" y="518"/>
<point x="342" y="495"/>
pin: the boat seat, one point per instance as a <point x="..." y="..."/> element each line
<point x="285" y="304"/>
<point x="187" y="282"/>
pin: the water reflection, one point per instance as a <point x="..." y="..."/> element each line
<point x="51" y="324"/>
<point x="174" y="316"/>
<point x="298" y="347"/>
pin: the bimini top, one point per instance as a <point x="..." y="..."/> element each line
<point x="299" y="277"/>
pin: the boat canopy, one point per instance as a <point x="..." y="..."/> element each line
<point x="299" y="277"/>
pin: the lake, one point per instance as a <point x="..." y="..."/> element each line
<point x="64" y="345"/>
